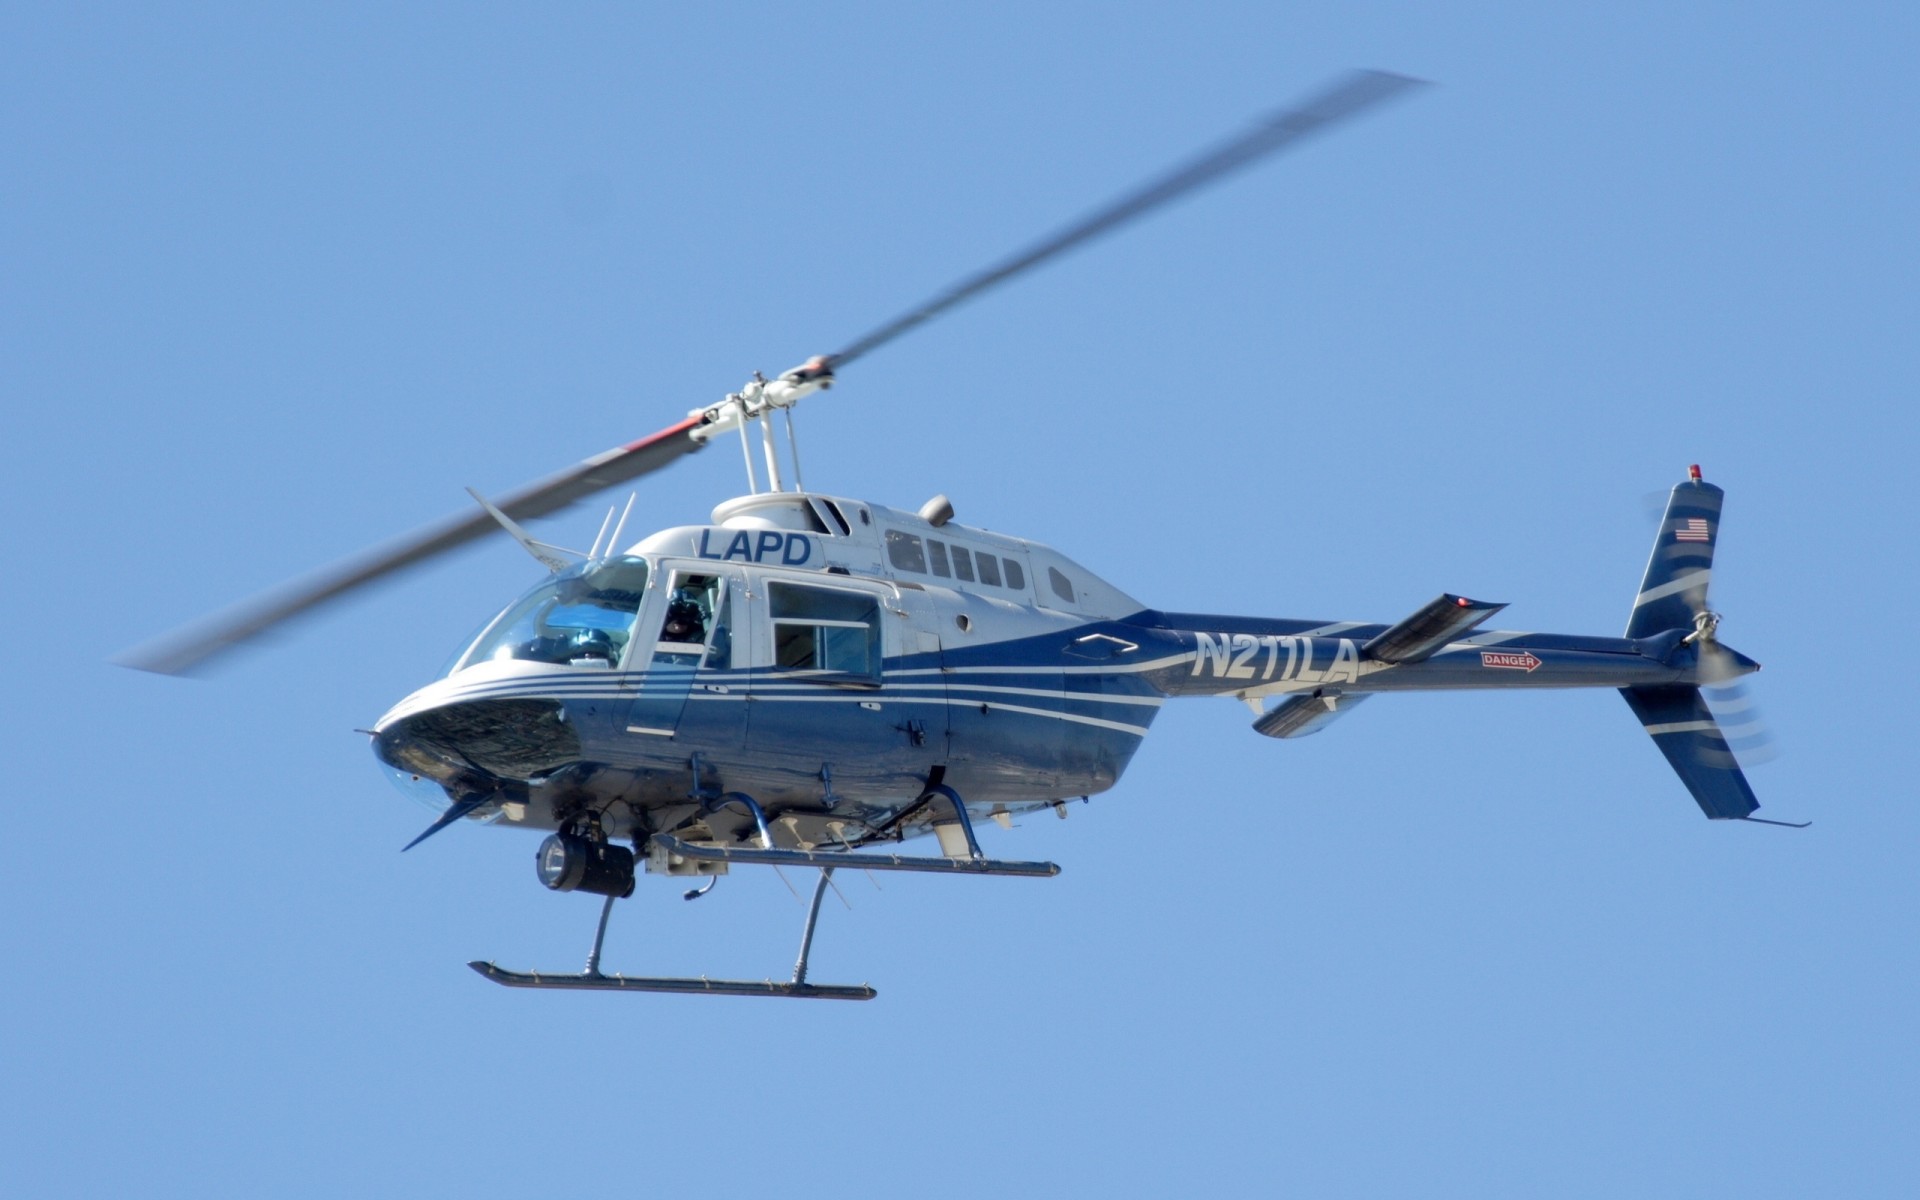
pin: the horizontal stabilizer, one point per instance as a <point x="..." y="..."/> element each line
<point x="1420" y="636"/>
<point x="1299" y="716"/>
<point x="1684" y="728"/>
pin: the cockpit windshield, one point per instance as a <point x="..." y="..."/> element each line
<point x="583" y="618"/>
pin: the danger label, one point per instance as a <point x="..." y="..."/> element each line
<point x="1524" y="661"/>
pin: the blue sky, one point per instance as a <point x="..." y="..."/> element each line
<point x="277" y="285"/>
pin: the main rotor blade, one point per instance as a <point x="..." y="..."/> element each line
<point x="1347" y="97"/>
<point x="181" y="652"/>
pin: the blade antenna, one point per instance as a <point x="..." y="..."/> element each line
<point x="1348" y="96"/>
<point x="614" y="543"/>
<point x="540" y="550"/>
<point x="594" y="552"/>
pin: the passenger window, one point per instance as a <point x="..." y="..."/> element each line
<point x="1062" y="586"/>
<point x="963" y="564"/>
<point x="905" y="553"/>
<point x="989" y="569"/>
<point x="937" y="556"/>
<point x="1016" y="578"/>
<point x="819" y="630"/>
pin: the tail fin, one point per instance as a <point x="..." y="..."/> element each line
<point x="1685" y="730"/>
<point x="1673" y="598"/>
<point x="1674" y="591"/>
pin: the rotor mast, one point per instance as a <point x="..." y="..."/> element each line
<point x="756" y="402"/>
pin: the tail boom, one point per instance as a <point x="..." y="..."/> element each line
<point x="1252" y="665"/>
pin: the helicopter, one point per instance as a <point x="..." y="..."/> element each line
<point x="809" y="680"/>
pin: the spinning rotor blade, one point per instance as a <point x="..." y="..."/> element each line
<point x="1748" y="735"/>
<point x="182" y="652"/>
<point x="1347" y="97"/>
<point x="1749" y="738"/>
<point x="1721" y="666"/>
<point x="192" y="648"/>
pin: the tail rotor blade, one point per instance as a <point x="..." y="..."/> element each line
<point x="1749" y="737"/>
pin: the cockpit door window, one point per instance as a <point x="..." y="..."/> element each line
<point x="689" y="624"/>
<point x="697" y="621"/>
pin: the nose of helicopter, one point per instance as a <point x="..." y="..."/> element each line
<point x="454" y="731"/>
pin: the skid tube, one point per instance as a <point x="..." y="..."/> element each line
<point x="592" y="979"/>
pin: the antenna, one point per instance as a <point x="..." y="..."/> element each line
<point x="593" y="552"/>
<point x="613" y="543"/>
<point x="553" y="558"/>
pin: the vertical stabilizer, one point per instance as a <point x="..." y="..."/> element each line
<point x="1675" y="588"/>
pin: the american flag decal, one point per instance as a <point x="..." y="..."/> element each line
<point x="1695" y="530"/>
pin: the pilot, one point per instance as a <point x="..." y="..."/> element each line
<point x="685" y="622"/>
<point x="596" y="644"/>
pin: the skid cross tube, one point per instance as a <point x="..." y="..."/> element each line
<point x="960" y="813"/>
<point x="806" y="935"/>
<point x="599" y="939"/>
<point x="751" y="805"/>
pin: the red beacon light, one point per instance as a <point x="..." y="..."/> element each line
<point x="1693" y="472"/>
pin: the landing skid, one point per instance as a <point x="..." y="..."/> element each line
<point x="702" y="986"/>
<point x="591" y="979"/>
